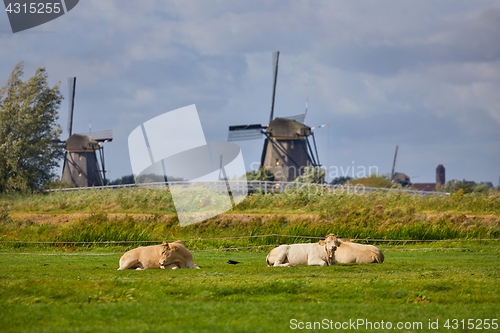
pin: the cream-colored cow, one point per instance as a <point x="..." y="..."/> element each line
<point x="348" y="252"/>
<point x="311" y="254"/>
<point x="164" y="256"/>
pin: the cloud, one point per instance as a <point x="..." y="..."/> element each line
<point x="423" y="74"/>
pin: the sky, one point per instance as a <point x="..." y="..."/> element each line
<point x="423" y="75"/>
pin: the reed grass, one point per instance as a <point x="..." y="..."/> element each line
<point x="147" y="215"/>
<point x="314" y="199"/>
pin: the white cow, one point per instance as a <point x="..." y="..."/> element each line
<point x="171" y="256"/>
<point x="348" y="252"/>
<point x="312" y="254"/>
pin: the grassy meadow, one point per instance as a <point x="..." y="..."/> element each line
<point x="51" y="291"/>
<point x="59" y="253"/>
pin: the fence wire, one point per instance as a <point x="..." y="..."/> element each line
<point x="125" y="242"/>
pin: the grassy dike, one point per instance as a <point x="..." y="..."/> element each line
<point x="143" y="215"/>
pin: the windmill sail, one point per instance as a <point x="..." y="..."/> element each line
<point x="320" y="126"/>
<point x="245" y="132"/>
<point x="101" y="136"/>
<point x="300" y="118"/>
<point x="394" y="164"/>
<point x="276" y="58"/>
<point x="71" y="104"/>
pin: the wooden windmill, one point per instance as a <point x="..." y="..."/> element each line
<point x="287" y="149"/>
<point x="399" y="177"/>
<point x="81" y="167"/>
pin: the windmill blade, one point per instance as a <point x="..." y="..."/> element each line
<point x="101" y="136"/>
<point x="300" y="118"/>
<point x="311" y="152"/>
<point x="276" y="56"/>
<point x="320" y="126"/>
<point x="245" y="132"/>
<point x="72" y="88"/>
<point x="394" y="164"/>
<point x="307" y="106"/>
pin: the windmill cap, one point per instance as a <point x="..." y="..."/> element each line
<point x="81" y="143"/>
<point x="283" y="127"/>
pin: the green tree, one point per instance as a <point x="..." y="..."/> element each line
<point x="465" y="186"/>
<point x="373" y="180"/>
<point x="262" y="174"/>
<point x="312" y="174"/>
<point x="128" y="179"/>
<point x="340" y="180"/>
<point x="29" y="136"/>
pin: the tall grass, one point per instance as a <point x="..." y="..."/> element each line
<point x="124" y="200"/>
<point x="143" y="215"/>
<point x="314" y="199"/>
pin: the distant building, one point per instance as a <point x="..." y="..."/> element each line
<point x="424" y="186"/>
<point x="440" y="179"/>
<point x="440" y="175"/>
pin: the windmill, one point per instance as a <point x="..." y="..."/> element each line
<point x="81" y="167"/>
<point x="399" y="177"/>
<point x="287" y="149"/>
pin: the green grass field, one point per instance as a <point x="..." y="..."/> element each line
<point x="56" y="291"/>
<point x="59" y="253"/>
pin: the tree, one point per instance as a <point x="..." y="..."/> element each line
<point x="465" y="186"/>
<point x="312" y="174"/>
<point x="373" y="180"/>
<point x="124" y="180"/>
<point x="29" y="136"/>
<point x="262" y="174"/>
<point x="340" y="180"/>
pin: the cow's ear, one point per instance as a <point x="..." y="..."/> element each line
<point x="165" y="244"/>
<point x="322" y="242"/>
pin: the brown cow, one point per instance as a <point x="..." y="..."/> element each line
<point x="166" y="255"/>
<point x="348" y="252"/>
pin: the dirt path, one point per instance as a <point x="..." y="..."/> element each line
<point x="73" y="217"/>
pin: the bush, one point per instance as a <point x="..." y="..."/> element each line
<point x="373" y="181"/>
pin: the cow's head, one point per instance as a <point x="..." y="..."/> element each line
<point x="331" y="243"/>
<point x="166" y="253"/>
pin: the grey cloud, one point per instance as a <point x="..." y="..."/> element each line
<point x="423" y="74"/>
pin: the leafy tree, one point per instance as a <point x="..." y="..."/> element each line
<point x="340" y="180"/>
<point x="128" y="179"/>
<point x="29" y="136"/>
<point x="262" y="174"/>
<point x="147" y="178"/>
<point x="465" y="186"/>
<point x="312" y="174"/>
<point x="373" y="180"/>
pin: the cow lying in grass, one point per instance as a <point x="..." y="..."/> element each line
<point x="312" y="254"/>
<point x="164" y="256"/>
<point x="348" y="252"/>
